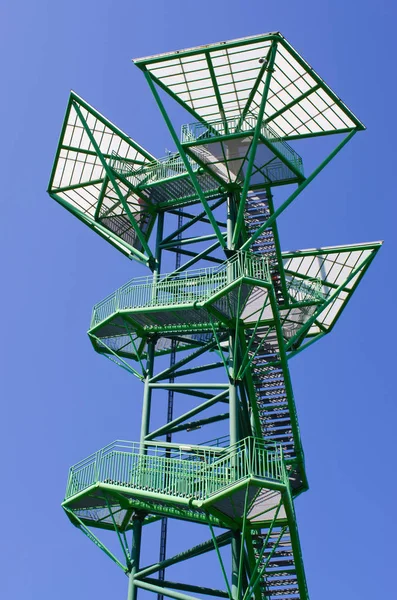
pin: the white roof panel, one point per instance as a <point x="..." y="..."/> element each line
<point x="79" y="180"/>
<point x="299" y="102"/>
<point x="339" y="269"/>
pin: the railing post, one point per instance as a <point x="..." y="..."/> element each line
<point x="96" y="471"/>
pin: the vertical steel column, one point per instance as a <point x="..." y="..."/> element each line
<point x="137" y="521"/>
<point x="147" y="396"/>
<point x="147" y="392"/>
<point x="233" y="401"/>
<point x="145" y="422"/>
<point x="159" y="239"/>
<point x="233" y="405"/>
<point x="170" y="412"/>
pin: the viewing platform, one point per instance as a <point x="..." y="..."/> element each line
<point x="116" y="187"/>
<point x="237" y="287"/>
<point x="223" y="145"/>
<point x="185" y="297"/>
<point x="165" y="181"/>
<point x="184" y="478"/>
<point x="218" y="153"/>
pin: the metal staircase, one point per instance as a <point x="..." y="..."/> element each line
<point x="274" y="405"/>
<point x="238" y="310"/>
<point x="267" y="372"/>
<point x="274" y="551"/>
<point x="257" y="211"/>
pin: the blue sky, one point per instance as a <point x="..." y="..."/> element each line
<point x="61" y="401"/>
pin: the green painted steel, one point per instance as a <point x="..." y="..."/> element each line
<point x="200" y="286"/>
<point x="241" y="320"/>
<point x="185" y="288"/>
<point x="213" y="130"/>
<point x="163" y="168"/>
<point x="185" y="471"/>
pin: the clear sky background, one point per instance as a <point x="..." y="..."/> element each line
<point x="60" y="401"/>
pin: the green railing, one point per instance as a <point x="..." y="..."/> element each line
<point x="164" y="168"/>
<point x="192" y="472"/>
<point x="183" y="289"/>
<point x="213" y="129"/>
<point x="305" y="290"/>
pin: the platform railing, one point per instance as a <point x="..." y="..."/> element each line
<point x="194" y="472"/>
<point x="161" y="169"/>
<point x="182" y="289"/>
<point x="193" y="132"/>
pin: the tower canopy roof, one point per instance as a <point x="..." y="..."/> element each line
<point x="339" y="270"/>
<point x="80" y="183"/>
<point x="226" y="80"/>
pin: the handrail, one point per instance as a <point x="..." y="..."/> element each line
<point x="196" y="131"/>
<point x="186" y="471"/>
<point x="197" y="285"/>
<point x="185" y="288"/>
<point x="163" y="168"/>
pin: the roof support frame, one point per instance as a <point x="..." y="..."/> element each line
<point x="306" y="344"/>
<point x="101" y="196"/>
<point x="185" y="160"/>
<point x="362" y="266"/>
<point x="181" y="102"/>
<point x="296" y="193"/>
<point x="255" y="87"/>
<point x="216" y="90"/>
<point x="240" y="214"/>
<point x="109" y="173"/>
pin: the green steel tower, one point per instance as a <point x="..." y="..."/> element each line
<point x="230" y="317"/>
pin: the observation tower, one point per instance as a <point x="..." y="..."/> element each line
<point x="211" y="328"/>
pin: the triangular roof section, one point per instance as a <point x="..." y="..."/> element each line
<point x="339" y="270"/>
<point x="223" y="81"/>
<point x="79" y="181"/>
